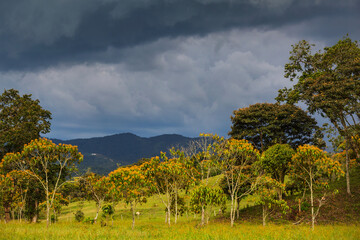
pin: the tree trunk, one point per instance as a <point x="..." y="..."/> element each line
<point x="232" y="211"/>
<point x="202" y="215"/>
<point x="169" y="216"/>
<point x="7" y="214"/>
<point x="264" y="214"/>
<point x="35" y="217"/>
<point x="237" y="208"/>
<point x="312" y="205"/>
<point x="133" y="216"/>
<point x="47" y="208"/>
<point x="347" y="170"/>
<point x="176" y="208"/>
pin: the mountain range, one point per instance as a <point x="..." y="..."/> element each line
<point x="104" y="154"/>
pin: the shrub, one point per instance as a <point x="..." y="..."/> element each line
<point x="79" y="216"/>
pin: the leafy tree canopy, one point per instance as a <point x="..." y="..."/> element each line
<point x="22" y="119"/>
<point x="328" y="82"/>
<point x="276" y="159"/>
<point x="265" y="124"/>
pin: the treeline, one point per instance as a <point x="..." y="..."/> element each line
<point x="267" y="142"/>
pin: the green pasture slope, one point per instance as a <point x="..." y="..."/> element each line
<point x="339" y="219"/>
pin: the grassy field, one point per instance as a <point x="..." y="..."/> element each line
<point x="150" y="225"/>
<point x="146" y="229"/>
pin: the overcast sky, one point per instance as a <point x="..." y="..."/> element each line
<point x="152" y="67"/>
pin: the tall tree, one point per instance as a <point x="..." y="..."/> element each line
<point x="22" y="119"/>
<point x="48" y="163"/>
<point x="265" y="124"/>
<point x="328" y="82"/>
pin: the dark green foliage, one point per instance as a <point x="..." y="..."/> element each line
<point x="89" y="220"/>
<point x="79" y="216"/>
<point x="275" y="161"/>
<point x="108" y="210"/>
<point x="265" y="124"/>
<point x="181" y="205"/>
<point x="244" y="188"/>
<point x="22" y="119"/>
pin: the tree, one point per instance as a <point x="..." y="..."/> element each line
<point x="328" y="82"/>
<point x="56" y="206"/>
<point x="275" y="161"/>
<point x="22" y="182"/>
<point x="166" y="176"/>
<point x="236" y="158"/>
<point x="7" y="194"/>
<point x="130" y="185"/>
<point x="203" y="197"/>
<point x="21" y="120"/>
<point x="266" y="192"/>
<point x="200" y="155"/>
<point x="314" y="167"/>
<point x="265" y="124"/>
<point x="97" y="188"/>
<point x="47" y="162"/>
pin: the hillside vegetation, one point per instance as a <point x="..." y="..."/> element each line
<point x="104" y="154"/>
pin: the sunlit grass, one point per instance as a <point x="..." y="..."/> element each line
<point x="188" y="229"/>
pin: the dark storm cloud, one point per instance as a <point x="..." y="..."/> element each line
<point x="41" y="33"/>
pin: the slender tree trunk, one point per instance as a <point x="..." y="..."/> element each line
<point x="19" y="215"/>
<point x="12" y="214"/>
<point x="133" y="216"/>
<point x="232" y="210"/>
<point x="237" y="208"/>
<point x="176" y="207"/>
<point x="312" y="205"/>
<point x="347" y="170"/>
<point x="7" y="213"/>
<point x="35" y="217"/>
<point x="47" y="209"/>
<point x="98" y="206"/>
<point x="264" y="215"/>
<point x="202" y="215"/>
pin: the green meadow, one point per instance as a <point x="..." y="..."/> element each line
<point x="150" y="224"/>
<point x="154" y="228"/>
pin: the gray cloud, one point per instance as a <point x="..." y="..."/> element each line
<point x="193" y="86"/>
<point x="39" y="33"/>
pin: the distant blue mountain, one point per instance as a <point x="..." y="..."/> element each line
<point x="104" y="154"/>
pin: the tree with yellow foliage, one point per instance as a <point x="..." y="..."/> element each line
<point x="314" y="167"/>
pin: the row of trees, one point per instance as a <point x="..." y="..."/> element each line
<point x="244" y="172"/>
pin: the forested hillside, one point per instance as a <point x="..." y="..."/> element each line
<point x="104" y="154"/>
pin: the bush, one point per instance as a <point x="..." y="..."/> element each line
<point x="53" y="218"/>
<point x="89" y="220"/>
<point x="79" y="216"/>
